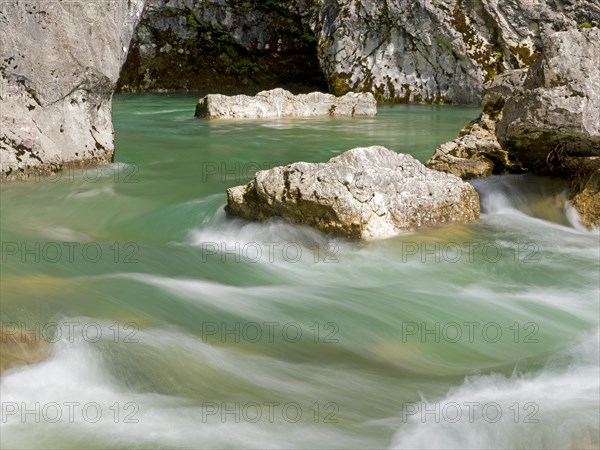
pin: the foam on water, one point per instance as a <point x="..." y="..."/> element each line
<point x="82" y="373"/>
<point x="555" y="408"/>
<point x="545" y="280"/>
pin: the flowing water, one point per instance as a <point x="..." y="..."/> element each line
<point x="162" y="323"/>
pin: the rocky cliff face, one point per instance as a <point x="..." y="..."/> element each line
<point x="59" y="65"/>
<point x="436" y="51"/>
<point x="400" y="50"/>
<point x="552" y="127"/>
<point x="57" y="78"/>
<point x="553" y="124"/>
<point x="224" y="46"/>
<point x="545" y="120"/>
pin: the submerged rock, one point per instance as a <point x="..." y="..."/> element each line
<point x="363" y="193"/>
<point x="281" y="103"/>
<point x="18" y="348"/>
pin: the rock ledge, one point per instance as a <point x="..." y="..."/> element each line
<point x="281" y="103"/>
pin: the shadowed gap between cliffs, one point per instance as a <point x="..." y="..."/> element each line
<point x="174" y="51"/>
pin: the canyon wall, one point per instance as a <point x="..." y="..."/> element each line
<point x="224" y="46"/>
<point x="430" y="51"/>
<point x="59" y="65"/>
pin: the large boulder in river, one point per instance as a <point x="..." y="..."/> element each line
<point x="281" y="103"/>
<point x="476" y="152"/>
<point x="363" y="193"/>
<point x="554" y="122"/>
<point x="553" y="126"/>
<point x="545" y="121"/>
<point x="59" y="65"/>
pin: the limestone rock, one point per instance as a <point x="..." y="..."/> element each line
<point x="502" y="87"/>
<point x="400" y="50"/>
<point x="58" y="69"/>
<point x="554" y="125"/>
<point x="477" y="153"/>
<point x="473" y="154"/>
<point x="585" y="197"/>
<point x="281" y="103"/>
<point x="436" y="51"/>
<point x="546" y="121"/>
<point x="363" y="193"/>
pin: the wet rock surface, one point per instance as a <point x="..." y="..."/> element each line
<point x="476" y="152"/>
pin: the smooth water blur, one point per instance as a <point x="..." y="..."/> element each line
<point x="213" y="332"/>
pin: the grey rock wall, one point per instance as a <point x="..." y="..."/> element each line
<point x="545" y="120"/>
<point x="431" y="51"/>
<point x="59" y="65"/>
<point x="436" y="50"/>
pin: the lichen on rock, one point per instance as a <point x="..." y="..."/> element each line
<point x="400" y="51"/>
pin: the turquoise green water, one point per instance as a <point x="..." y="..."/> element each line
<point x="203" y="331"/>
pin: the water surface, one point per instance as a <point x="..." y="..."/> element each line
<point x="191" y="329"/>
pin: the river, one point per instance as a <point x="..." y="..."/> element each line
<point x="169" y="325"/>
